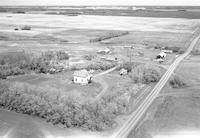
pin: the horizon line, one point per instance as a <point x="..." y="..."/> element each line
<point x="111" y="5"/>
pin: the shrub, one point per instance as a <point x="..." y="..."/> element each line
<point x="128" y="66"/>
<point x="20" y="12"/>
<point x="157" y="47"/>
<point x="15" y="58"/>
<point x="195" y="52"/>
<point x="62" y="55"/>
<point x="88" y="57"/>
<point x="174" y="49"/>
<point x="95" y="66"/>
<point x="176" y="82"/>
<point x="146" y="74"/>
<point x="116" y="103"/>
<point x="26" y="27"/>
<point x="3" y="10"/>
<point x="15" y="63"/>
<point x="53" y="55"/>
<point x="181" y="51"/>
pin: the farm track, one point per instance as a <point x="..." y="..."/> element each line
<point x="98" y="78"/>
<point x="124" y="131"/>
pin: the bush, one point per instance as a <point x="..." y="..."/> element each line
<point x="20" y="12"/>
<point x="176" y="82"/>
<point x="100" y="66"/>
<point x="15" y="58"/>
<point x="15" y="63"/>
<point x="53" y="55"/>
<point x="146" y="74"/>
<point x="157" y="47"/>
<point x="181" y="51"/>
<point x="62" y="55"/>
<point x="88" y="57"/>
<point x="95" y="66"/>
<point x="128" y="66"/>
<point x="26" y="27"/>
<point x="11" y="71"/>
<point x="195" y="52"/>
<point x="175" y="49"/>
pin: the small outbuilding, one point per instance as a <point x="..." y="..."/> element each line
<point x="105" y="51"/>
<point x="123" y="71"/>
<point x="82" y="77"/>
<point x="161" y="55"/>
<point x="167" y="51"/>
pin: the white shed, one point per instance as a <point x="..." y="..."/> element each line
<point x="107" y="50"/>
<point x="82" y="77"/>
<point x="162" y="54"/>
<point x="123" y="72"/>
<point x="167" y="51"/>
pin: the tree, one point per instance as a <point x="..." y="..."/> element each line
<point x="145" y="74"/>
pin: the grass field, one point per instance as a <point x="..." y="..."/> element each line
<point x="62" y="82"/>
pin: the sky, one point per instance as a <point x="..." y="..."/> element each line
<point x="101" y="2"/>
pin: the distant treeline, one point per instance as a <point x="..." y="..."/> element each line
<point x="150" y="11"/>
<point x="109" y="36"/>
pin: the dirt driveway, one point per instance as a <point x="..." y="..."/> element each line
<point x="99" y="78"/>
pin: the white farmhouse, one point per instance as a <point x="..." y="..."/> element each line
<point x="82" y="77"/>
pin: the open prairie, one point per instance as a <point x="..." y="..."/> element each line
<point x="73" y="33"/>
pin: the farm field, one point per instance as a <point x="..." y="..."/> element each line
<point x="82" y="37"/>
<point x="73" y="34"/>
<point x="189" y="12"/>
<point x="175" y="113"/>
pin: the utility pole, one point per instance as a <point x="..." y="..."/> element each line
<point x="131" y="50"/>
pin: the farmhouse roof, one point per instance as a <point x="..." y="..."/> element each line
<point x="82" y="73"/>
